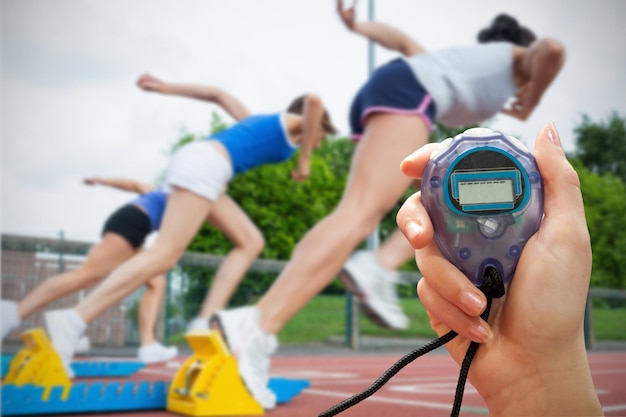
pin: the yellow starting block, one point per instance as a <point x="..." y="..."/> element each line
<point x="208" y="383"/>
<point x="39" y="364"/>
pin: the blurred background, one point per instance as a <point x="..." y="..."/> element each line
<point x="70" y="110"/>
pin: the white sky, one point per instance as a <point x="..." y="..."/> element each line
<point x="70" y="108"/>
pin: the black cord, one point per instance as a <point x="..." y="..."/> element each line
<point x="492" y="287"/>
<point x="389" y="373"/>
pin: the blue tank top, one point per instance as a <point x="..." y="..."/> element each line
<point x="255" y="141"/>
<point x="153" y="202"/>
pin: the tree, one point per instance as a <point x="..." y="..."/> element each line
<point x="601" y="147"/>
<point x="605" y="209"/>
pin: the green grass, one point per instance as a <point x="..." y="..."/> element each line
<point x="325" y="316"/>
<point x="609" y="323"/>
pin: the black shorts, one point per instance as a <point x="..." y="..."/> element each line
<point x="131" y="223"/>
<point x="392" y="88"/>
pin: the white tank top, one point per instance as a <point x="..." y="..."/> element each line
<point x="469" y="84"/>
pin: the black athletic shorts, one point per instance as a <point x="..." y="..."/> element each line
<point x="131" y="223"/>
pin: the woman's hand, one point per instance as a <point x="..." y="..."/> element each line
<point x="92" y="180"/>
<point x="523" y="104"/>
<point x="532" y="358"/>
<point x="303" y="172"/>
<point x="348" y="15"/>
<point x="148" y="82"/>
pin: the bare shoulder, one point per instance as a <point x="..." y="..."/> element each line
<point x="293" y="125"/>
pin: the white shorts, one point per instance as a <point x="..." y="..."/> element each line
<point x="200" y="168"/>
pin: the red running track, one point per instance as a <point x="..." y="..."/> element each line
<point x="424" y="388"/>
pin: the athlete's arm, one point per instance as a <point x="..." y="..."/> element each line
<point x="312" y="135"/>
<point x="231" y="105"/>
<point x="381" y="33"/>
<point x="538" y="66"/>
<point x="124" y="184"/>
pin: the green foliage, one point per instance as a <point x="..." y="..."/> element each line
<point x="601" y="146"/>
<point x="600" y="160"/>
<point x="605" y="208"/>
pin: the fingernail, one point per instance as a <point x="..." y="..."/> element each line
<point x="472" y="303"/>
<point x="413" y="229"/>
<point x="552" y="133"/>
<point x="481" y="332"/>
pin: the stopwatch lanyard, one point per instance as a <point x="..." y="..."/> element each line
<point x="492" y="287"/>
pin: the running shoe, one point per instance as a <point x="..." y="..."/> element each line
<point x="156" y="352"/>
<point x="251" y="347"/>
<point x="84" y="345"/>
<point x="64" y="336"/>
<point x="375" y="288"/>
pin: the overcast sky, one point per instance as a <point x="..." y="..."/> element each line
<point x="70" y="108"/>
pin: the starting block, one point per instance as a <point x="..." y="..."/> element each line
<point x="37" y="363"/>
<point x="208" y="383"/>
<point x="91" y="369"/>
<point x="84" y="398"/>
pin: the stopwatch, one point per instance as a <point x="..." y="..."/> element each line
<point x="484" y="195"/>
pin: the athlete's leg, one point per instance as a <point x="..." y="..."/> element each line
<point x="394" y="251"/>
<point x="375" y="184"/>
<point x="149" y="309"/>
<point x="248" y="243"/>
<point x="151" y="351"/>
<point x="184" y="214"/>
<point x="105" y="256"/>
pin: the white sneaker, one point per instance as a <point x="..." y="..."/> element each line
<point x="198" y="324"/>
<point x="83" y="345"/>
<point x="64" y="336"/>
<point x="375" y="288"/>
<point x="10" y="317"/>
<point x="251" y="347"/>
<point x="156" y="352"/>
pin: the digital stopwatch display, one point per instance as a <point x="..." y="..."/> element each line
<point x="484" y="195"/>
<point x="485" y="182"/>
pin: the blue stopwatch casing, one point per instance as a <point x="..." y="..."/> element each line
<point x="484" y="195"/>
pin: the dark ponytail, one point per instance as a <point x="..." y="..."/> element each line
<point x="506" y="28"/>
<point x="297" y="107"/>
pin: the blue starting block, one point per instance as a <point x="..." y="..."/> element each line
<point x="95" y="397"/>
<point x="91" y="369"/>
<point x="88" y="369"/>
<point x="111" y="397"/>
<point x="285" y="389"/>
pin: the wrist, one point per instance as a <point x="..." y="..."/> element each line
<point x="163" y="88"/>
<point x="558" y="386"/>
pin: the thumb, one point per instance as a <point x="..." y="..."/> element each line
<point x="562" y="196"/>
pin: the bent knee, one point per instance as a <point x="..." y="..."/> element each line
<point x="157" y="283"/>
<point x="360" y="220"/>
<point x="256" y="243"/>
<point x="164" y="258"/>
<point x="251" y="242"/>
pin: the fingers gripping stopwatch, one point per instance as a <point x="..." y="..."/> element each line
<point x="483" y="192"/>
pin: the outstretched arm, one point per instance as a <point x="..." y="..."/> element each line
<point x="381" y="33"/>
<point x="312" y="135"/>
<point x="231" y="105"/>
<point x="537" y="66"/>
<point x="124" y="184"/>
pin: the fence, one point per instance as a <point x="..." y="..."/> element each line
<point x="26" y="261"/>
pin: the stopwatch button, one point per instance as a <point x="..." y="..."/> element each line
<point x="443" y="145"/>
<point x="518" y="143"/>
<point x="478" y="131"/>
